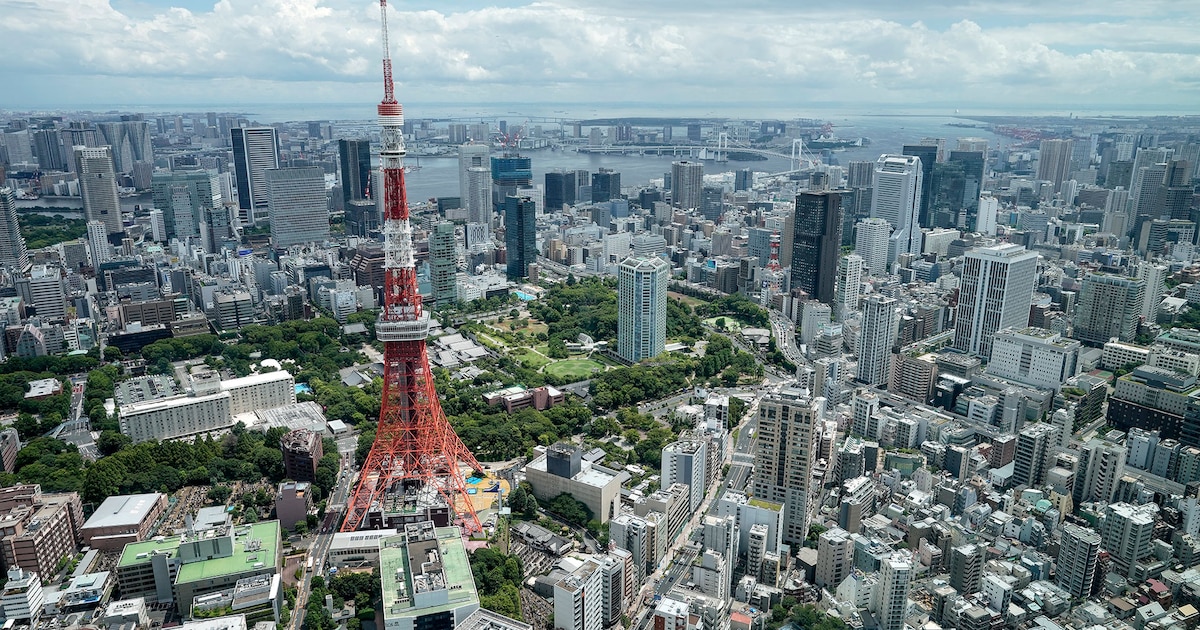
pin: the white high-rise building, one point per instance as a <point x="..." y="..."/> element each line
<point x="1155" y="276"/>
<point x="158" y="226"/>
<point x="687" y="184"/>
<point x="880" y="326"/>
<point x="1101" y="466"/>
<point x="996" y="291"/>
<point x="12" y="245"/>
<point x="98" y="186"/>
<point x="97" y="235"/>
<point x="986" y="221"/>
<point x="642" y="308"/>
<point x="578" y="599"/>
<point x="895" y="582"/>
<point x="1128" y="533"/>
<point x="298" y="208"/>
<point x="897" y="200"/>
<point x="871" y="243"/>
<point x="849" y="285"/>
<point x="1054" y="161"/>
<point x="1034" y="356"/>
<point x="479" y="195"/>
<point x="471" y="156"/>
<point x="44" y="290"/>
<point x="685" y="462"/>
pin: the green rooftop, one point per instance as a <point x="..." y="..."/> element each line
<point x="766" y="505"/>
<point x="264" y="550"/>
<point x="396" y="572"/>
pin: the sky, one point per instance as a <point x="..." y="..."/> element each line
<point x="756" y="56"/>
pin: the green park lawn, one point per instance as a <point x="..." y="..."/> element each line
<point x="573" y="369"/>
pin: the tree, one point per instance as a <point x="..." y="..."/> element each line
<point x="219" y="493"/>
<point x="570" y="509"/>
<point x="112" y="441"/>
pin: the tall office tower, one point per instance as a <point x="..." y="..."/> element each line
<point x="880" y="326"/>
<point x="479" y="195"/>
<point x="687" y="182"/>
<point x="78" y="134"/>
<point x="560" y="190"/>
<point x="44" y="290"/>
<point x="966" y="568"/>
<point x="1127" y="532"/>
<point x="898" y="182"/>
<point x="1144" y="192"/>
<point x="606" y="185"/>
<point x="216" y="228"/>
<point x="816" y="243"/>
<point x="1145" y="157"/>
<point x="685" y="462"/>
<point x="784" y="455"/>
<point x="1034" y="444"/>
<point x="896" y="579"/>
<point x="1155" y="277"/>
<point x="97" y="235"/>
<point x="130" y="142"/>
<point x="98" y="186"/>
<point x="986" y="217"/>
<point x="183" y="196"/>
<point x="48" y="149"/>
<point x="1054" y="161"/>
<point x="743" y="179"/>
<point x="642" y="307"/>
<point x="443" y="264"/>
<point x="297" y="207"/>
<point x="1109" y="306"/>
<point x="1175" y="196"/>
<point x="509" y="174"/>
<point x="520" y="235"/>
<point x="712" y="203"/>
<point x="849" y="285"/>
<point x="471" y="156"/>
<point x="929" y="157"/>
<point x="255" y="151"/>
<point x="995" y="292"/>
<point x="835" y="557"/>
<point x="158" y="226"/>
<point x="354" y="160"/>
<point x="13" y="254"/>
<point x="1101" y="466"/>
<point x="973" y="164"/>
<point x="1078" y="555"/>
<point x="871" y="243"/>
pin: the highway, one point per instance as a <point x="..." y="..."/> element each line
<point x="324" y="537"/>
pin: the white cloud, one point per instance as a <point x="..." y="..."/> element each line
<point x="1114" y="53"/>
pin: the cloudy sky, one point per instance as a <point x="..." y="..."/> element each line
<point x="762" y="55"/>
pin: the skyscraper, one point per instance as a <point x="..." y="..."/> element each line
<point x="48" y="149"/>
<point x="520" y="234"/>
<point x="928" y="154"/>
<point x="973" y="164"/>
<point x="13" y="254"/>
<point x="871" y="243"/>
<point x="898" y="183"/>
<point x="784" y="454"/>
<point x="996" y="290"/>
<point x="130" y="142"/>
<point x="354" y="160"/>
<point x="183" y="196"/>
<point x="1127" y="532"/>
<point x="712" y="203"/>
<point x="606" y="185"/>
<point x="479" y="196"/>
<point x="443" y="265"/>
<point x="470" y="156"/>
<point x="849" y="285"/>
<point x="560" y="190"/>
<point x="687" y="180"/>
<point x="255" y="151"/>
<point x="1054" y="161"/>
<point x="297" y="206"/>
<point x="1109" y="306"/>
<point x="1101" y="466"/>
<point x="98" y="186"/>
<point x="510" y="173"/>
<point x="642" y="307"/>
<point x="1034" y="443"/>
<point x="97" y="235"/>
<point x="880" y="327"/>
<point x="1078" y="554"/>
<point x="816" y="243"/>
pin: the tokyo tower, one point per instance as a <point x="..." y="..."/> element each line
<point x="416" y="452"/>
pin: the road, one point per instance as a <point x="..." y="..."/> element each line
<point x="319" y="548"/>
<point x="785" y="337"/>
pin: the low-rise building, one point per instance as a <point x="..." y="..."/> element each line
<point x="22" y="597"/>
<point x="426" y="578"/>
<point x="293" y="502"/>
<point x="123" y="519"/>
<point x="561" y="469"/>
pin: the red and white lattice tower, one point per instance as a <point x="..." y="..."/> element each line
<point x="415" y="445"/>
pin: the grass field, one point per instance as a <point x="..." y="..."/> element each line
<point x="529" y="358"/>
<point x="686" y="299"/>
<point x="731" y="324"/>
<point x="575" y="369"/>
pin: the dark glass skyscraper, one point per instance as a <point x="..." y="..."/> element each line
<point x="606" y="185"/>
<point x="816" y="242"/>
<point x="255" y="151"/>
<point x="354" y="158"/>
<point x="928" y="154"/>
<point x="560" y="190"/>
<point x="973" y="164"/>
<point x="509" y="173"/>
<point x="520" y="234"/>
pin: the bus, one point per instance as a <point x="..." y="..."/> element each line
<point x="310" y="565"/>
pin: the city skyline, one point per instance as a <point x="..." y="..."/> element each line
<point x="929" y="57"/>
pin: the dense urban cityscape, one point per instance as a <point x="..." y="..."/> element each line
<point x="513" y="371"/>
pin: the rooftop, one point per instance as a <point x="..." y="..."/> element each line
<point x="252" y="545"/>
<point x="443" y="553"/>
<point x="125" y="510"/>
<point x="44" y="387"/>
